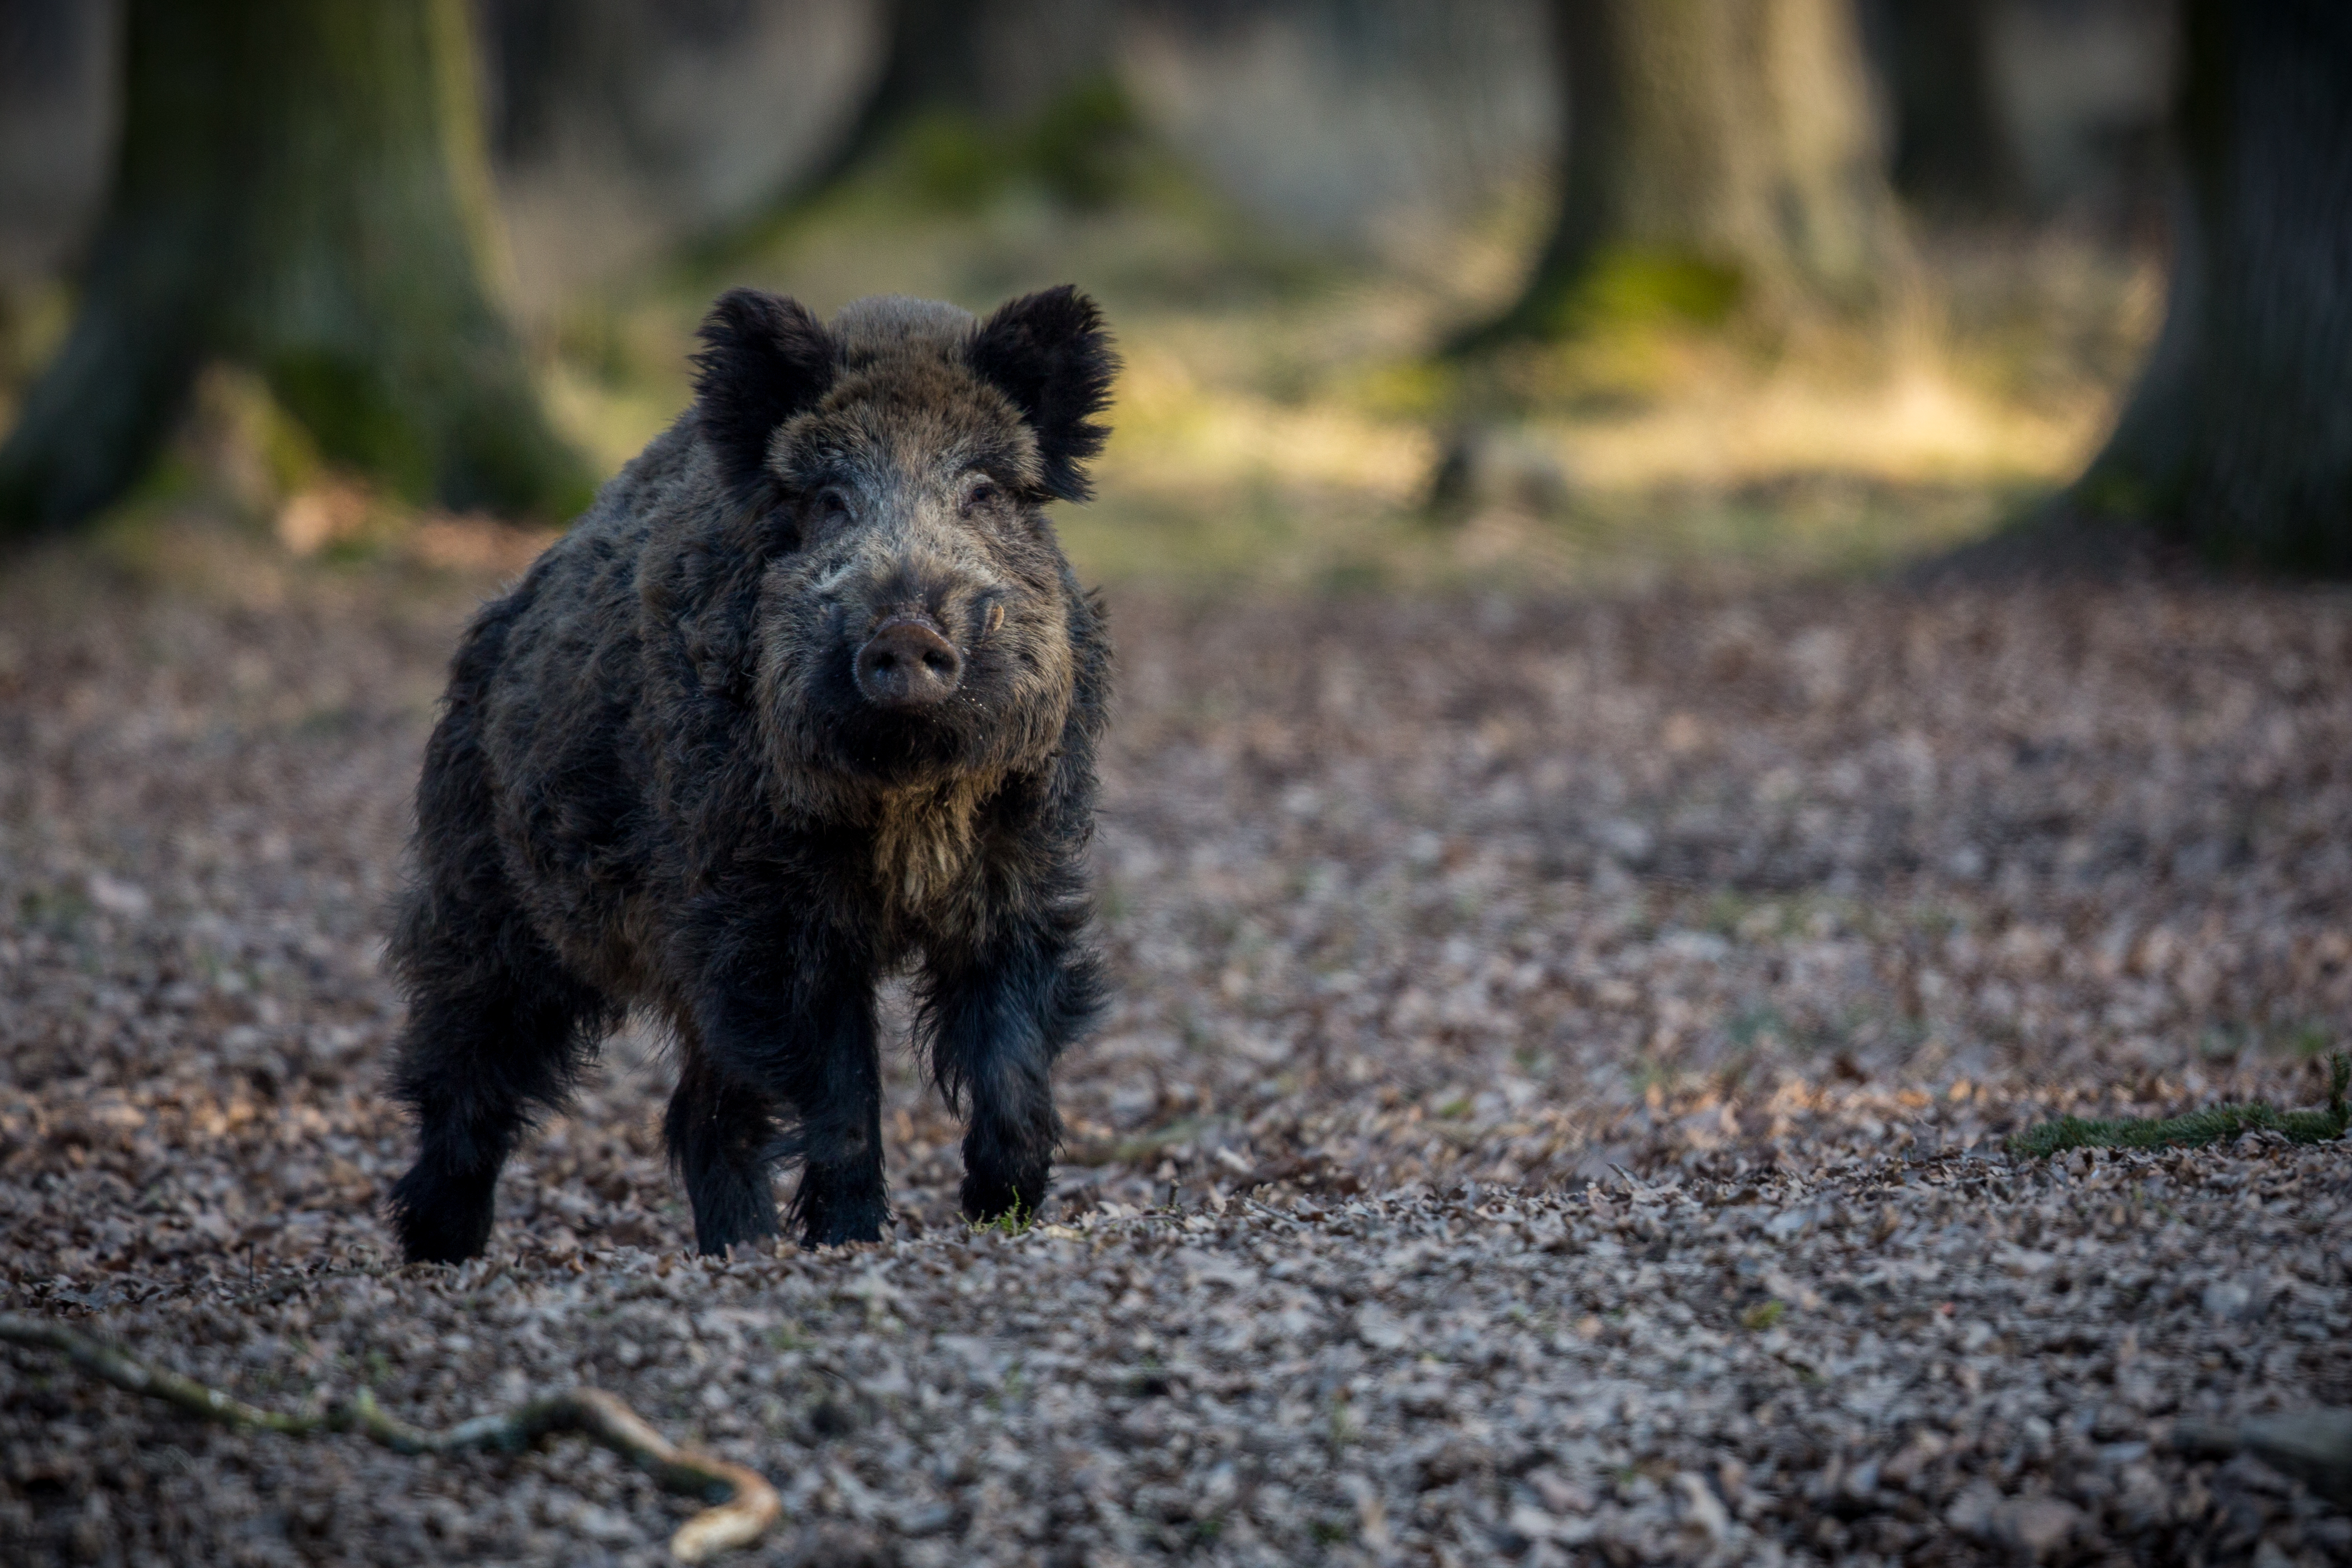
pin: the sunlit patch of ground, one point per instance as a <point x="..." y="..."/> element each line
<point x="1282" y="417"/>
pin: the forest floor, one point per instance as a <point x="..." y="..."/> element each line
<point x="1552" y="1109"/>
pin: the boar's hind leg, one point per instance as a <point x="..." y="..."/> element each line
<point x="496" y="1033"/>
<point x="996" y="1025"/>
<point x="720" y="1133"/>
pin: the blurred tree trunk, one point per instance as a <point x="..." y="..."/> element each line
<point x="1952" y="146"/>
<point x="982" y="65"/>
<point x="932" y="65"/>
<point x="1718" y="150"/>
<point x="301" y="188"/>
<point x="2238" y="440"/>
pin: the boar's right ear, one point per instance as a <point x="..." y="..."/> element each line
<point x="765" y="359"/>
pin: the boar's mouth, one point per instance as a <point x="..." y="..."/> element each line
<point x="896" y="688"/>
<point x="906" y="703"/>
<point x="908" y="745"/>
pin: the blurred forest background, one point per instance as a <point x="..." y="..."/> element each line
<point x="1410" y="290"/>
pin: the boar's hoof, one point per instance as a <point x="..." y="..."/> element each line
<point x="907" y="663"/>
<point x="440" y="1221"/>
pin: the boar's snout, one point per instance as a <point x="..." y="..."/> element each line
<point x="908" y="663"/>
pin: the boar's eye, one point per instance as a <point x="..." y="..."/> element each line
<point x="832" y="506"/>
<point x="984" y="494"/>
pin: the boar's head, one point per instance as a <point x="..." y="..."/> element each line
<point x="913" y="621"/>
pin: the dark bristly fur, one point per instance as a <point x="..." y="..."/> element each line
<point x="664" y="779"/>
<point x="1045" y="351"/>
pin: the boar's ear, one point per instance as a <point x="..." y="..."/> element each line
<point x="765" y="359"/>
<point x="1050" y="354"/>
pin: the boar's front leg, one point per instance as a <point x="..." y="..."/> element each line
<point x="721" y="1134"/>
<point x="808" y="1043"/>
<point x="997" y="1019"/>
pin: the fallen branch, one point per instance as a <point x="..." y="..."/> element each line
<point x="2314" y="1447"/>
<point x="744" y="1504"/>
<point x="2212" y="1125"/>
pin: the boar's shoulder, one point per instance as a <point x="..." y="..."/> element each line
<point x="700" y="559"/>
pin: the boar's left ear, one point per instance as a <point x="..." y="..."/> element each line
<point x="765" y="359"/>
<point x="1050" y="354"/>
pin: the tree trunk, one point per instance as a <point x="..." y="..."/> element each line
<point x="301" y="188"/>
<point x="1953" y="151"/>
<point x="930" y="66"/>
<point x="1718" y="150"/>
<point x="984" y="63"/>
<point x="2238" y="440"/>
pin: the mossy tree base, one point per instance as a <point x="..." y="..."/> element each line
<point x="1717" y="146"/>
<point x="302" y="189"/>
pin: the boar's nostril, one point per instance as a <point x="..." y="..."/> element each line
<point x="907" y="663"/>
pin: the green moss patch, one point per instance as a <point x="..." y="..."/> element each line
<point x="2211" y="1125"/>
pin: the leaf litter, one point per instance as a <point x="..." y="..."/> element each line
<point x="1555" y="1108"/>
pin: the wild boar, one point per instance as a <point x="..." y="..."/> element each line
<point x="810" y="694"/>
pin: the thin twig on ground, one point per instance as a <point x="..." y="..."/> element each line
<point x="743" y="1503"/>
